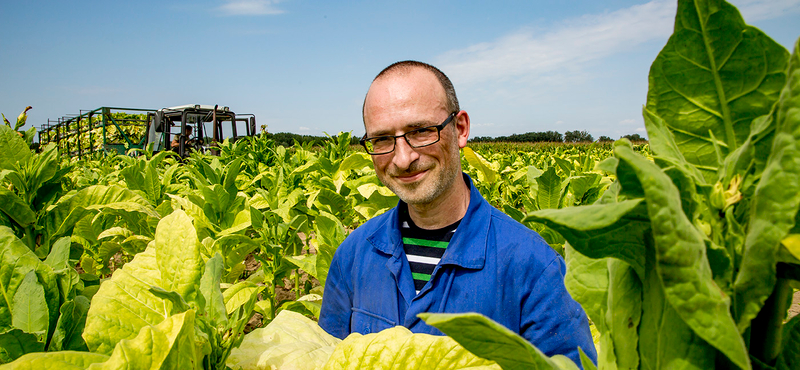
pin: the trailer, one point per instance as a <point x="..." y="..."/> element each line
<point x="118" y="130"/>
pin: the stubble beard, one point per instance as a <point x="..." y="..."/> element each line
<point x="436" y="182"/>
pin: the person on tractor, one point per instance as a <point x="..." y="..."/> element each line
<point x="186" y="138"/>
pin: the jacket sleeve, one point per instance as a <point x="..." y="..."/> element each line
<point x="337" y="300"/>
<point x="552" y="320"/>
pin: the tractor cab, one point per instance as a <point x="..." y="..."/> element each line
<point x="196" y="127"/>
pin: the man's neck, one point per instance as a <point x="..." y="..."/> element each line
<point x="448" y="209"/>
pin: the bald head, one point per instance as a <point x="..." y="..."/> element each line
<point x="407" y="67"/>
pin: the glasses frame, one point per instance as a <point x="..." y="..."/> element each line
<point x="438" y="128"/>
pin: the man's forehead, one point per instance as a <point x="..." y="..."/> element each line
<point x="412" y="87"/>
<point x="408" y="77"/>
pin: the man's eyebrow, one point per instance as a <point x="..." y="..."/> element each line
<point x="408" y="127"/>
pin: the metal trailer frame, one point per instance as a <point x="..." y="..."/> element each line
<point x="64" y="128"/>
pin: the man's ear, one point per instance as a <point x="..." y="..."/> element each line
<point x="462" y="128"/>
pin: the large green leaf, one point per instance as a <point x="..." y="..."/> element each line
<point x="178" y="255"/>
<point x="662" y="143"/>
<point x="548" y="196"/>
<point x="29" y="308"/>
<point x="168" y="345"/>
<point x="666" y="342"/>
<point x="601" y="230"/>
<point x="587" y="283"/>
<point x="399" y="348"/>
<point x="152" y="183"/>
<point x="355" y="161"/>
<point x="307" y="263"/>
<point x="485" y="171"/>
<point x="13" y="149"/>
<point x="492" y="341"/>
<point x="714" y="76"/>
<point x="681" y="261"/>
<point x="71" y="321"/>
<point x="580" y="185"/>
<point x="41" y="168"/>
<point x="70" y="209"/>
<point x="330" y="234"/>
<point x="240" y="294"/>
<point x="16" y="208"/>
<point x="64" y="360"/>
<point x="212" y="296"/>
<point x="16" y="260"/>
<point x="16" y="343"/>
<point x="774" y="205"/>
<point x="231" y="172"/>
<point x="123" y="304"/>
<point x="291" y="340"/>
<point x="58" y="259"/>
<point x="328" y="200"/>
<point x="624" y="313"/>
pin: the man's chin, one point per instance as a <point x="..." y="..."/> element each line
<point x="416" y="194"/>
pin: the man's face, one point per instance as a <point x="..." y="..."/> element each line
<point x="400" y="102"/>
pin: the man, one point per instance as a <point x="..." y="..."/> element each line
<point x="186" y="138"/>
<point x="443" y="248"/>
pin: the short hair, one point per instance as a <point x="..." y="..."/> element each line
<point x="451" y="100"/>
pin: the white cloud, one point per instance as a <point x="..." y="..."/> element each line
<point x="758" y="10"/>
<point x="561" y="52"/>
<point x="250" y="7"/>
<point x="628" y="121"/>
<point x="576" y="41"/>
<point x="559" y="122"/>
<point x="641" y="129"/>
<point x="303" y="128"/>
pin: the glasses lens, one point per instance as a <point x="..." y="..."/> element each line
<point x="380" y="144"/>
<point x="423" y="136"/>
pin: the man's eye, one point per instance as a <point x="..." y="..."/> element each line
<point x="422" y="132"/>
<point x="381" y="140"/>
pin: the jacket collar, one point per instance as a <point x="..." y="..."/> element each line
<point x="467" y="248"/>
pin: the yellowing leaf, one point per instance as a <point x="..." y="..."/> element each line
<point x="792" y="244"/>
<point x="485" y="171"/>
<point x="239" y="294"/>
<point x="290" y="341"/>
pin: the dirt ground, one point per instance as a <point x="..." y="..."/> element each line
<point x="794" y="309"/>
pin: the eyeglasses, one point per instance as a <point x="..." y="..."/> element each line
<point x="417" y="138"/>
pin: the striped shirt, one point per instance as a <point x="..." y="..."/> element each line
<point x="424" y="248"/>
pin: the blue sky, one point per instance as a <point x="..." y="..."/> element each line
<point x="304" y="66"/>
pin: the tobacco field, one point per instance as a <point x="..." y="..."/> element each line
<point x="684" y="251"/>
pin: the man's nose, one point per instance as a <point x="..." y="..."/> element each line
<point x="404" y="154"/>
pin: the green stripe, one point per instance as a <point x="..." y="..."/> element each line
<point x="423" y="277"/>
<point x="426" y="243"/>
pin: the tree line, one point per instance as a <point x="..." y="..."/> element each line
<point x="575" y="136"/>
<point x="288" y="139"/>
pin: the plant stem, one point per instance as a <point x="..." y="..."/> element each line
<point x="766" y="328"/>
<point x="297" y="284"/>
<point x="29" y="238"/>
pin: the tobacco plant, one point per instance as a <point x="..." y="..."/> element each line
<point x="681" y="262"/>
<point x="43" y="304"/>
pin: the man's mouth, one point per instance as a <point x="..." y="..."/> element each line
<point x="410" y="177"/>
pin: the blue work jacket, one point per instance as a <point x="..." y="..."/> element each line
<point x="493" y="265"/>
